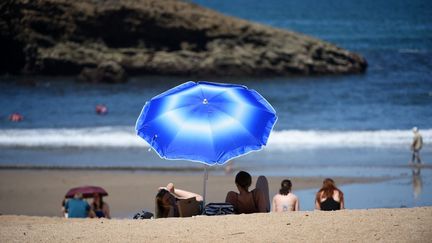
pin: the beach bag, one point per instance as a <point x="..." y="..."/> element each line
<point x="143" y="215"/>
<point x="212" y="209"/>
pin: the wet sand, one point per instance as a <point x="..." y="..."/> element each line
<point x="40" y="192"/>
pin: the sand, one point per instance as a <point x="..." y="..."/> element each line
<point x="384" y="225"/>
<point x="40" y="192"/>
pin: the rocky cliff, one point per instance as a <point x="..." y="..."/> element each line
<point x="62" y="37"/>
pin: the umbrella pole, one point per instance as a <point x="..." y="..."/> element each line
<point x="205" y="183"/>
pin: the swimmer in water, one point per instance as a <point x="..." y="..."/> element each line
<point x="15" y="117"/>
<point x="101" y="109"/>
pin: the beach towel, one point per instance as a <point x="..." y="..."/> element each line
<point x="143" y="215"/>
<point x="212" y="209"/>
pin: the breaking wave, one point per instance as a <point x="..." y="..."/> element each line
<point x="125" y="137"/>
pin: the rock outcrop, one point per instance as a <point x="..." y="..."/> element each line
<point x="62" y="37"/>
<point x="107" y="72"/>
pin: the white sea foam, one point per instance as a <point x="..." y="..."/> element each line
<point x="312" y="138"/>
<point x="412" y="51"/>
<point x="125" y="137"/>
<point x="77" y="137"/>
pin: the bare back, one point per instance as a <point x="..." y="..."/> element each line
<point x="283" y="203"/>
<point x="249" y="202"/>
<point x="336" y="196"/>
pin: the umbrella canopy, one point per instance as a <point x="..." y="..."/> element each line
<point x="206" y="122"/>
<point x="86" y="191"/>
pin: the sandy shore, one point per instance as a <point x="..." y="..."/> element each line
<point x="383" y="225"/>
<point x="40" y="192"/>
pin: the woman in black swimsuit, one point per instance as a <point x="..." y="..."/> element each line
<point x="329" y="197"/>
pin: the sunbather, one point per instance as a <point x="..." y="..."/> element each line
<point x="329" y="197"/>
<point x="166" y="200"/>
<point x="246" y="201"/>
<point x="99" y="207"/>
<point x="77" y="207"/>
<point x="63" y="209"/>
<point x="285" y="200"/>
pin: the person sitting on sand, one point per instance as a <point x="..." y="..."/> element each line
<point x="246" y="201"/>
<point x="166" y="200"/>
<point x="77" y="207"/>
<point x="285" y="200"/>
<point x="63" y="209"/>
<point x="99" y="207"/>
<point x="329" y="197"/>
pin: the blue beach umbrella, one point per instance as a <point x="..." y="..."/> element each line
<point x="206" y="122"/>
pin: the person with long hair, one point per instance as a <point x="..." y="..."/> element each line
<point x="285" y="200"/>
<point x="99" y="207"/>
<point x="329" y="197"/>
<point x="245" y="201"/>
<point x="166" y="200"/>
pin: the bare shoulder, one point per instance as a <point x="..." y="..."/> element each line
<point x="232" y="193"/>
<point x="336" y="195"/>
<point x="293" y="196"/>
<point x="257" y="192"/>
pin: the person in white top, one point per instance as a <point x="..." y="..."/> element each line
<point x="285" y="200"/>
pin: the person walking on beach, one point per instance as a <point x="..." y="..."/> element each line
<point x="77" y="207"/>
<point x="416" y="146"/>
<point x="329" y="197"/>
<point x="285" y="200"/>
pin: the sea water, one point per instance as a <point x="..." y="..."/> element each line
<point x="336" y="125"/>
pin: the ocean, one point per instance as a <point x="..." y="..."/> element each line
<point x="328" y="126"/>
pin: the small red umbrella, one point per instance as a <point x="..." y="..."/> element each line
<point x="86" y="191"/>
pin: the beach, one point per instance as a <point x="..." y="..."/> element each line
<point x="30" y="202"/>
<point x="356" y="129"/>
<point x="383" y="225"/>
<point x="40" y="192"/>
